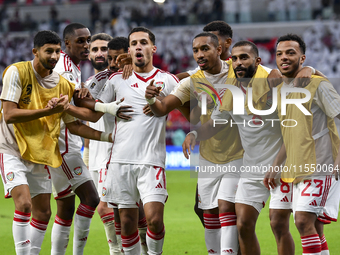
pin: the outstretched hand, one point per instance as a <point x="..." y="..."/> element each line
<point x="188" y="145"/>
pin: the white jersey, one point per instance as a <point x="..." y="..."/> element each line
<point x="140" y="140"/>
<point x="255" y="137"/>
<point x="69" y="143"/>
<point x="99" y="152"/>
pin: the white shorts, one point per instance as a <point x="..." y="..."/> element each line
<point x="16" y="171"/>
<point x="219" y="184"/>
<point x="310" y="195"/>
<point x="282" y="196"/>
<point x="126" y="184"/>
<point x="251" y="191"/>
<point x="99" y="177"/>
<point x="331" y="209"/>
<point x="69" y="176"/>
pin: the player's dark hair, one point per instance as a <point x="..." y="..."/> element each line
<point x="222" y="27"/>
<point x="247" y="43"/>
<point x="70" y="28"/>
<point x="118" y="43"/>
<point x="44" y="37"/>
<point x="101" y="36"/>
<point x="295" y="38"/>
<point x="143" y="29"/>
<point x="213" y="37"/>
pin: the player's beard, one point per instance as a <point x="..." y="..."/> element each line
<point x="140" y="64"/>
<point x="99" y="66"/>
<point x="45" y="64"/>
<point x="249" y="73"/>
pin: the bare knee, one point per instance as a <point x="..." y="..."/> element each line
<point x="23" y="205"/>
<point x="245" y="226"/>
<point x="305" y="223"/>
<point x="88" y="194"/>
<point x="279" y="222"/>
<point x="155" y="223"/>
<point x="102" y="209"/>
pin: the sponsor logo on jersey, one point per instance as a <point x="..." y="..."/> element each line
<point x="160" y="84"/>
<point x="78" y="170"/>
<point x="134" y="85"/>
<point x="10" y="176"/>
<point x="313" y="203"/>
<point x="92" y="85"/>
<point x="103" y="191"/>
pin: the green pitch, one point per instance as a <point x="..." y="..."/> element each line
<point x="184" y="232"/>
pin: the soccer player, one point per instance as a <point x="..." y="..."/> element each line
<point x="73" y="174"/>
<point x="216" y="192"/>
<point x="314" y="141"/>
<point x="258" y="136"/>
<point x="136" y="169"/>
<point x="99" y="153"/>
<point x="31" y="130"/>
<point x="96" y="153"/>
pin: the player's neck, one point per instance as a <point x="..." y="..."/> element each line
<point x="73" y="58"/>
<point x="225" y="55"/>
<point x="40" y="69"/>
<point x="97" y="71"/>
<point x="144" y="69"/>
<point x="216" y="69"/>
<point x="289" y="77"/>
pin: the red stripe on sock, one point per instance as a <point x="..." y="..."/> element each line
<point x="41" y="225"/>
<point x="85" y="210"/>
<point x="155" y="236"/>
<point x="107" y="217"/>
<point x="211" y="221"/>
<point x="324" y="245"/>
<point x="21" y="216"/>
<point x="311" y="244"/>
<point x="118" y="227"/>
<point x="65" y="223"/>
<point x="142" y="223"/>
<point x="227" y="219"/>
<point x="128" y="241"/>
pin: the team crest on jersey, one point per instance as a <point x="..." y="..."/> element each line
<point x="104" y="192"/>
<point x="70" y="76"/>
<point x="160" y="84"/>
<point x="78" y="170"/>
<point x="10" y="176"/>
<point x="92" y="85"/>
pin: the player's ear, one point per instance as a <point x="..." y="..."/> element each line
<point x="219" y="50"/>
<point x="35" y="52"/>
<point x="302" y="59"/>
<point x="154" y="49"/>
<point x="227" y="43"/>
<point x="257" y="61"/>
<point x="129" y="50"/>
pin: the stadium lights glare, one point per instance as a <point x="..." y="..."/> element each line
<point x="159" y="1"/>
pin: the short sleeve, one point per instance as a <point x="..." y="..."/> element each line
<point x="327" y="99"/>
<point x="191" y="72"/>
<point x="12" y="88"/>
<point x="182" y="90"/>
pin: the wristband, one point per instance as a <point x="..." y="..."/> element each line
<point x="104" y="137"/>
<point x="86" y="156"/>
<point x="100" y="107"/>
<point x="151" y="101"/>
<point x="313" y="70"/>
<point x="110" y="108"/>
<point x="194" y="132"/>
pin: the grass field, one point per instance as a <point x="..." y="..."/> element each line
<point x="184" y="232"/>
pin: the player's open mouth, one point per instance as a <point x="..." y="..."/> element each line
<point x="285" y="66"/>
<point x="201" y="62"/>
<point x="139" y="56"/>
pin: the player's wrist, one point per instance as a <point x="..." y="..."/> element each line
<point x="105" y="137"/>
<point x="151" y="101"/>
<point x="194" y="133"/>
<point x="100" y="107"/>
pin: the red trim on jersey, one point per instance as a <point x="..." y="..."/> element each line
<point x="148" y="78"/>
<point x="2" y="167"/>
<point x="90" y="78"/>
<point x="70" y="59"/>
<point x="114" y="74"/>
<point x="66" y="170"/>
<point x="243" y="89"/>
<point x="325" y="216"/>
<point x="172" y="75"/>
